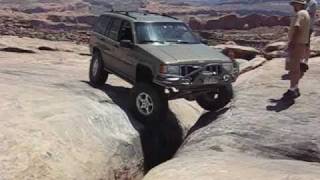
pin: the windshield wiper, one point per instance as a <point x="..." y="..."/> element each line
<point x="151" y="41"/>
<point x="183" y="42"/>
<point x="180" y="42"/>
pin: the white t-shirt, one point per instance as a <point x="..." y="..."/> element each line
<point x="312" y="9"/>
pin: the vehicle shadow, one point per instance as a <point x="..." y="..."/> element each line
<point x="280" y="104"/>
<point x="206" y="119"/>
<point x="160" y="141"/>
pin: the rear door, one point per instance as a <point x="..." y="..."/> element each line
<point x="100" y="40"/>
<point x="113" y="44"/>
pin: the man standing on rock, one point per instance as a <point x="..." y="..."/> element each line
<point x="298" y="43"/>
<point x="311" y="7"/>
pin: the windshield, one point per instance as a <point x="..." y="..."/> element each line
<point x="165" y="32"/>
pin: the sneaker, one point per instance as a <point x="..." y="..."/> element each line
<point x="291" y="94"/>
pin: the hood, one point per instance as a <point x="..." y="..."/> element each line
<point x="185" y="53"/>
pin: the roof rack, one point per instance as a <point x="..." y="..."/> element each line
<point x="126" y="13"/>
<point x="161" y="14"/>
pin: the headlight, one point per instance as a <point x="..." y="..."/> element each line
<point x="170" y="69"/>
<point x="227" y="66"/>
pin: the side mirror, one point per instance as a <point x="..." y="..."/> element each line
<point x="204" y="41"/>
<point x="126" y="44"/>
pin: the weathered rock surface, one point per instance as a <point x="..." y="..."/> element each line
<point x="195" y="23"/>
<point x="53" y="125"/>
<point x="258" y="137"/>
<point x="251" y="65"/>
<point x="315" y="46"/>
<point x="241" y="52"/>
<point x="277" y="49"/>
<point x="275" y="46"/>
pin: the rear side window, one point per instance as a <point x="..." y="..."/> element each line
<point x="102" y="24"/>
<point x="114" y="30"/>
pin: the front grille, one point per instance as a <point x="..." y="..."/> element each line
<point x="187" y="69"/>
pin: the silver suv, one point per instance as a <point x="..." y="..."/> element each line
<point x="163" y="59"/>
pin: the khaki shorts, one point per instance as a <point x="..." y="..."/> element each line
<point x="295" y="56"/>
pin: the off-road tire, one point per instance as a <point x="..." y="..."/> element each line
<point x="222" y="97"/>
<point x="158" y="98"/>
<point x="97" y="76"/>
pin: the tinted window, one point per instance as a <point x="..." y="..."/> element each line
<point x="114" y="30"/>
<point x="102" y="24"/>
<point x="125" y="31"/>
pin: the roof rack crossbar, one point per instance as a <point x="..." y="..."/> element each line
<point x="161" y="14"/>
<point x="126" y="13"/>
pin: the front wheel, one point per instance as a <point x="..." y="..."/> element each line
<point x="214" y="101"/>
<point x="149" y="103"/>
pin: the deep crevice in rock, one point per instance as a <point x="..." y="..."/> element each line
<point x="159" y="141"/>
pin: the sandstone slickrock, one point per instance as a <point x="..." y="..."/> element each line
<point x="195" y="23"/>
<point x="275" y="46"/>
<point x="315" y="46"/>
<point x="241" y="52"/>
<point x="252" y="64"/>
<point x="258" y="137"/>
<point x="54" y="125"/>
<point x="277" y="49"/>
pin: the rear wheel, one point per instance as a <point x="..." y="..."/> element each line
<point x="149" y="103"/>
<point x="98" y="76"/>
<point x="214" y="101"/>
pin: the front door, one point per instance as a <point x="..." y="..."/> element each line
<point x="126" y="55"/>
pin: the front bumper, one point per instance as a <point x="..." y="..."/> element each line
<point x="198" y="79"/>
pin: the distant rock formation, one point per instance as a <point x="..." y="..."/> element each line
<point x="233" y="21"/>
<point x="85" y="19"/>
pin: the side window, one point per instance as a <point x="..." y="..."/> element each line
<point x="125" y="32"/>
<point x="114" y="30"/>
<point x="102" y="24"/>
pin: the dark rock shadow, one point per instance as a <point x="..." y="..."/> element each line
<point x="285" y="77"/>
<point x="280" y="104"/>
<point x="161" y="140"/>
<point x="206" y="119"/>
<point x="17" y="50"/>
<point x="307" y="151"/>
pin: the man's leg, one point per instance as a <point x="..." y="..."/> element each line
<point x="294" y="72"/>
<point x="295" y="75"/>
